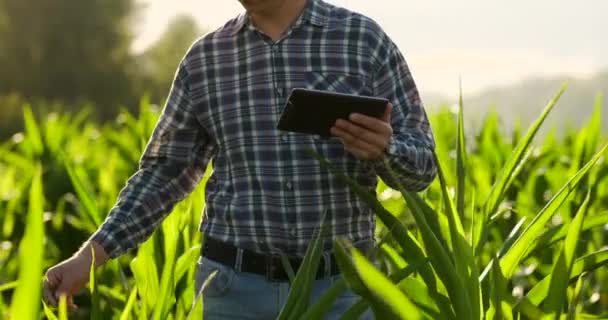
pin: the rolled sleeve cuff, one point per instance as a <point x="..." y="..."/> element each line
<point x="110" y="245"/>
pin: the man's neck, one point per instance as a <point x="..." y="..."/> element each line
<point x="274" y="23"/>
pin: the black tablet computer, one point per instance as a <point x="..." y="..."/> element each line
<point x="316" y="111"/>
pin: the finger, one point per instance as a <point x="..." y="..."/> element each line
<point x="358" y="153"/>
<point x="380" y="126"/>
<point x="354" y="135"/>
<point x="71" y="305"/>
<point x="52" y="278"/>
<point x="387" y="113"/>
<point x="49" y="296"/>
<point x="360" y="149"/>
<point x="48" y="287"/>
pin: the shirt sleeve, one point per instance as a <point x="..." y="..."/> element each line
<point x="172" y="165"/>
<point x="410" y="154"/>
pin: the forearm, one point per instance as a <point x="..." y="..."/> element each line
<point x="146" y="200"/>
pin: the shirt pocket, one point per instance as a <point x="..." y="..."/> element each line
<point x="338" y="82"/>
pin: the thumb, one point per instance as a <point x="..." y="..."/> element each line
<point x="387" y="113"/>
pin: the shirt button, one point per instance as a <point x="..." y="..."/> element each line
<point x="284" y="137"/>
<point x="292" y="232"/>
<point x="288" y="185"/>
<point x="280" y="92"/>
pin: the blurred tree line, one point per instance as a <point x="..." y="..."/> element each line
<point x="61" y="55"/>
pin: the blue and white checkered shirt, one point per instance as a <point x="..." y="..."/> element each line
<point x="266" y="194"/>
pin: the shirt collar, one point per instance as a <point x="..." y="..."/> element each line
<point x="316" y="12"/>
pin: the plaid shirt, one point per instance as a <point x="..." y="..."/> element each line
<point x="265" y="193"/>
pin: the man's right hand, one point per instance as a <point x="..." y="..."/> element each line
<point x="71" y="275"/>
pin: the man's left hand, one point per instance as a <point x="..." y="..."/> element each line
<point x="365" y="137"/>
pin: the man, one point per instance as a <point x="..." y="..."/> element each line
<point x="266" y="196"/>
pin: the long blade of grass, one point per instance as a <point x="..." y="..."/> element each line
<point x="26" y="299"/>
<point x="503" y="183"/>
<point x="512" y="258"/>
<point x="560" y="275"/>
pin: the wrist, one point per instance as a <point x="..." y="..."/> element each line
<point x="86" y="253"/>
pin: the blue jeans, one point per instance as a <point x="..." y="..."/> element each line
<point x="243" y="295"/>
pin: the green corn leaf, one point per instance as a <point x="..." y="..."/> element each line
<point x="587" y="263"/>
<point x="500" y="307"/>
<point x="558" y="233"/>
<point x="80" y="181"/>
<point x="417" y="291"/>
<point x="326" y="301"/>
<point x="386" y="299"/>
<point x="401" y="234"/>
<point x="290" y="273"/>
<point x="560" y="275"/>
<point x="355" y="312"/>
<point x="145" y="273"/>
<point x="298" y="297"/>
<point x="63" y="307"/>
<point x="167" y="282"/>
<point x="128" y="309"/>
<point x="185" y="262"/>
<point x="436" y="222"/>
<point x="95" y="301"/>
<point x="461" y="159"/>
<point x="32" y="132"/>
<point x="502" y="184"/>
<point x="574" y="306"/>
<point x="441" y="261"/>
<point x="47" y="312"/>
<point x="398" y="277"/>
<point x="464" y="261"/>
<point x="454" y="277"/>
<point x="510" y="261"/>
<point x="26" y="299"/>
<point x="505" y="247"/>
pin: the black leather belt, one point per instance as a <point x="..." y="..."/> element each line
<point x="267" y="265"/>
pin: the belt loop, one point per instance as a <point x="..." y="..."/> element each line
<point x="239" y="260"/>
<point x="327" y="264"/>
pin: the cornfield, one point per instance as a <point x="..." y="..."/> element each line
<point x="515" y="227"/>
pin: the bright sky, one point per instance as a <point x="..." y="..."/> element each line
<point x="487" y="43"/>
